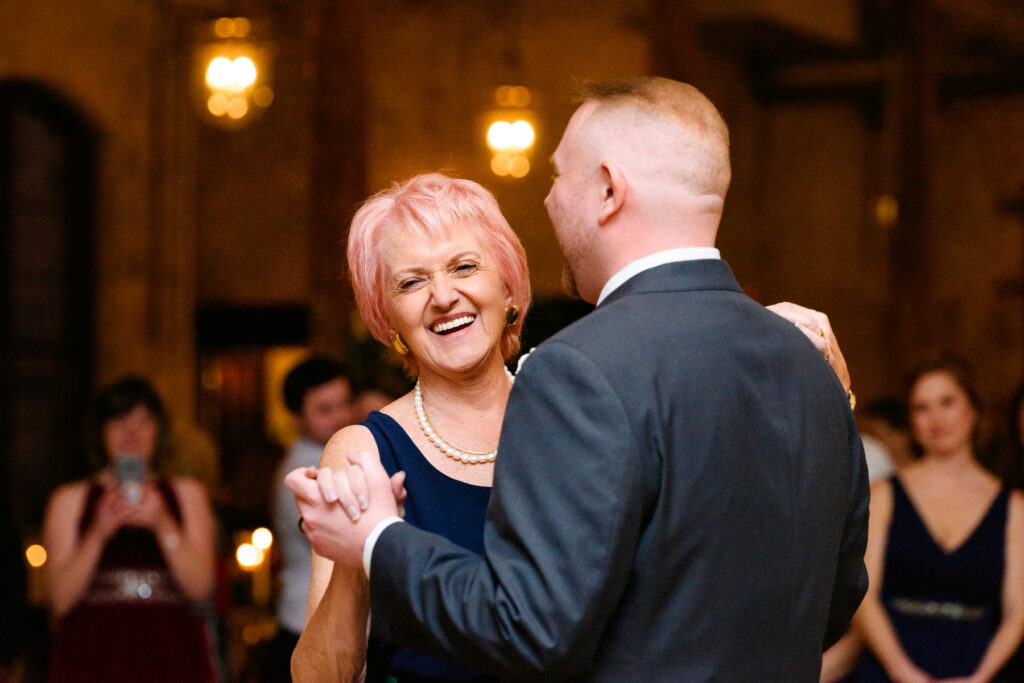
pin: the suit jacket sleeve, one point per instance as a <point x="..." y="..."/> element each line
<point x="562" y="528"/>
<point x="851" y="582"/>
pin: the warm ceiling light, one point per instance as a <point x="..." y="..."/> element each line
<point x="503" y="136"/>
<point x="518" y="166"/>
<point x="237" y="107"/>
<point x="510" y="134"/>
<point x="235" y="72"/>
<point x="500" y="164"/>
<point x="219" y="73"/>
<point x="243" y="74"/>
<point x="522" y="134"/>
<point x="499" y="135"/>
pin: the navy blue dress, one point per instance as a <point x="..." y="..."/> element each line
<point x="437" y="503"/>
<point x="945" y="606"/>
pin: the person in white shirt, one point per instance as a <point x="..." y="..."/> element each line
<point x="319" y="396"/>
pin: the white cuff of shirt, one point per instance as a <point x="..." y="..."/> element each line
<point x="371" y="540"/>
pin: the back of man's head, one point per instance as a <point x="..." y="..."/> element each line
<point x="307" y="375"/>
<point x="663" y="131"/>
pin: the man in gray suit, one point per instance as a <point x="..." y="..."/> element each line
<point x="681" y="492"/>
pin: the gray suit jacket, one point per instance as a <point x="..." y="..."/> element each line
<point x="680" y="495"/>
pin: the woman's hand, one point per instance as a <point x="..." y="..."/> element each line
<point x="329" y="492"/>
<point x="150" y="512"/>
<point x="399" y="492"/>
<point x="909" y="673"/>
<point x="817" y="328"/>
<point x="113" y="511"/>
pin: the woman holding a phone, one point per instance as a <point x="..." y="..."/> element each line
<point x="131" y="554"/>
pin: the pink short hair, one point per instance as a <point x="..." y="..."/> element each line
<point x="428" y="204"/>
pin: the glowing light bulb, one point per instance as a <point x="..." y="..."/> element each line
<point x="262" y="538"/>
<point x="521" y="135"/>
<point x="238" y="107"/>
<point x="224" y="27"/>
<point x="248" y="556"/>
<point x="499" y="135"/>
<point x="519" y="96"/>
<point x="241" y="27"/>
<point x="500" y="164"/>
<point x="218" y="106"/>
<point x="518" y="166"/>
<point x="36" y="555"/>
<point x="243" y="74"/>
<point x="219" y="73"/>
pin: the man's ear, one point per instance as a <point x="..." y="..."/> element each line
<point x="613" y="190"/>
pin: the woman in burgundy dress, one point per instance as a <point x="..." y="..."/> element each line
<point x="131" y="554"/>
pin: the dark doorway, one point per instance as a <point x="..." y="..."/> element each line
<point x="47" y="171"/>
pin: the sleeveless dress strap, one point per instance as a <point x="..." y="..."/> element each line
<point x="383" y="429"/>
<point x="89" y="509"/>
<point x="163" y="485"/>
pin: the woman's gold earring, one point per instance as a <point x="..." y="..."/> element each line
<point x="511" y="315"/>
<point x="399" y="345"/>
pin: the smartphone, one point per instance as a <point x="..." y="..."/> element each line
<point x="130" y="472"/>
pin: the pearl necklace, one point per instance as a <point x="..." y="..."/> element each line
<point x="451" y="450"/>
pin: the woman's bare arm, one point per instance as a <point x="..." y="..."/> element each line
<point x="332" y="646"/>
<point x="189" y="548"/>
<point x="72" y="559"/>
<point x="1007" y="637"/>
<point x="871" y="621"/>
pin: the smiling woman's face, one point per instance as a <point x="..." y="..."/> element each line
<point x="445" y="298"/>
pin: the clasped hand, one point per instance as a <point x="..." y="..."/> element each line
<point x="339" y="508"/>
<point x="116" y="511"/>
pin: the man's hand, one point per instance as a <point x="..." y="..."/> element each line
<point x="339" y="509"/>
<point x="816" y="326"/>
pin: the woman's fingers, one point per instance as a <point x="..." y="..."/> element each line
<point x="340" y="486"/>
<point x="357" y="482"/>
<point x="398" y="490"/>
<point x="378" y="483"/>
<point x="325" y="482"/>
<point x="814" y="324"/>
<point x="302" y="483"/>
<point x="398" y="486"/>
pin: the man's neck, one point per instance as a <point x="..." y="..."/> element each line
<point x="654" y="260"/>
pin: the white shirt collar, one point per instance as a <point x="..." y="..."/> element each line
<point x="658" y="258"/>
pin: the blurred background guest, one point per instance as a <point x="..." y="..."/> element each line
<point x="883" y="428"/>
<point x="370" y="400"/>
<point x="1015" y="449"/>
<point x="319" y="396"/>
<point x="945" y="548"/>
<point x="887" y="447"/>
<point x="131" y="552"/>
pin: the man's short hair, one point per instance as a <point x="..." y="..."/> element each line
<point x="307" y="375"/>
<point x="700" y="144"/>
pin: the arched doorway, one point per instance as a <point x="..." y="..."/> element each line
<point x="47" y="181"/>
